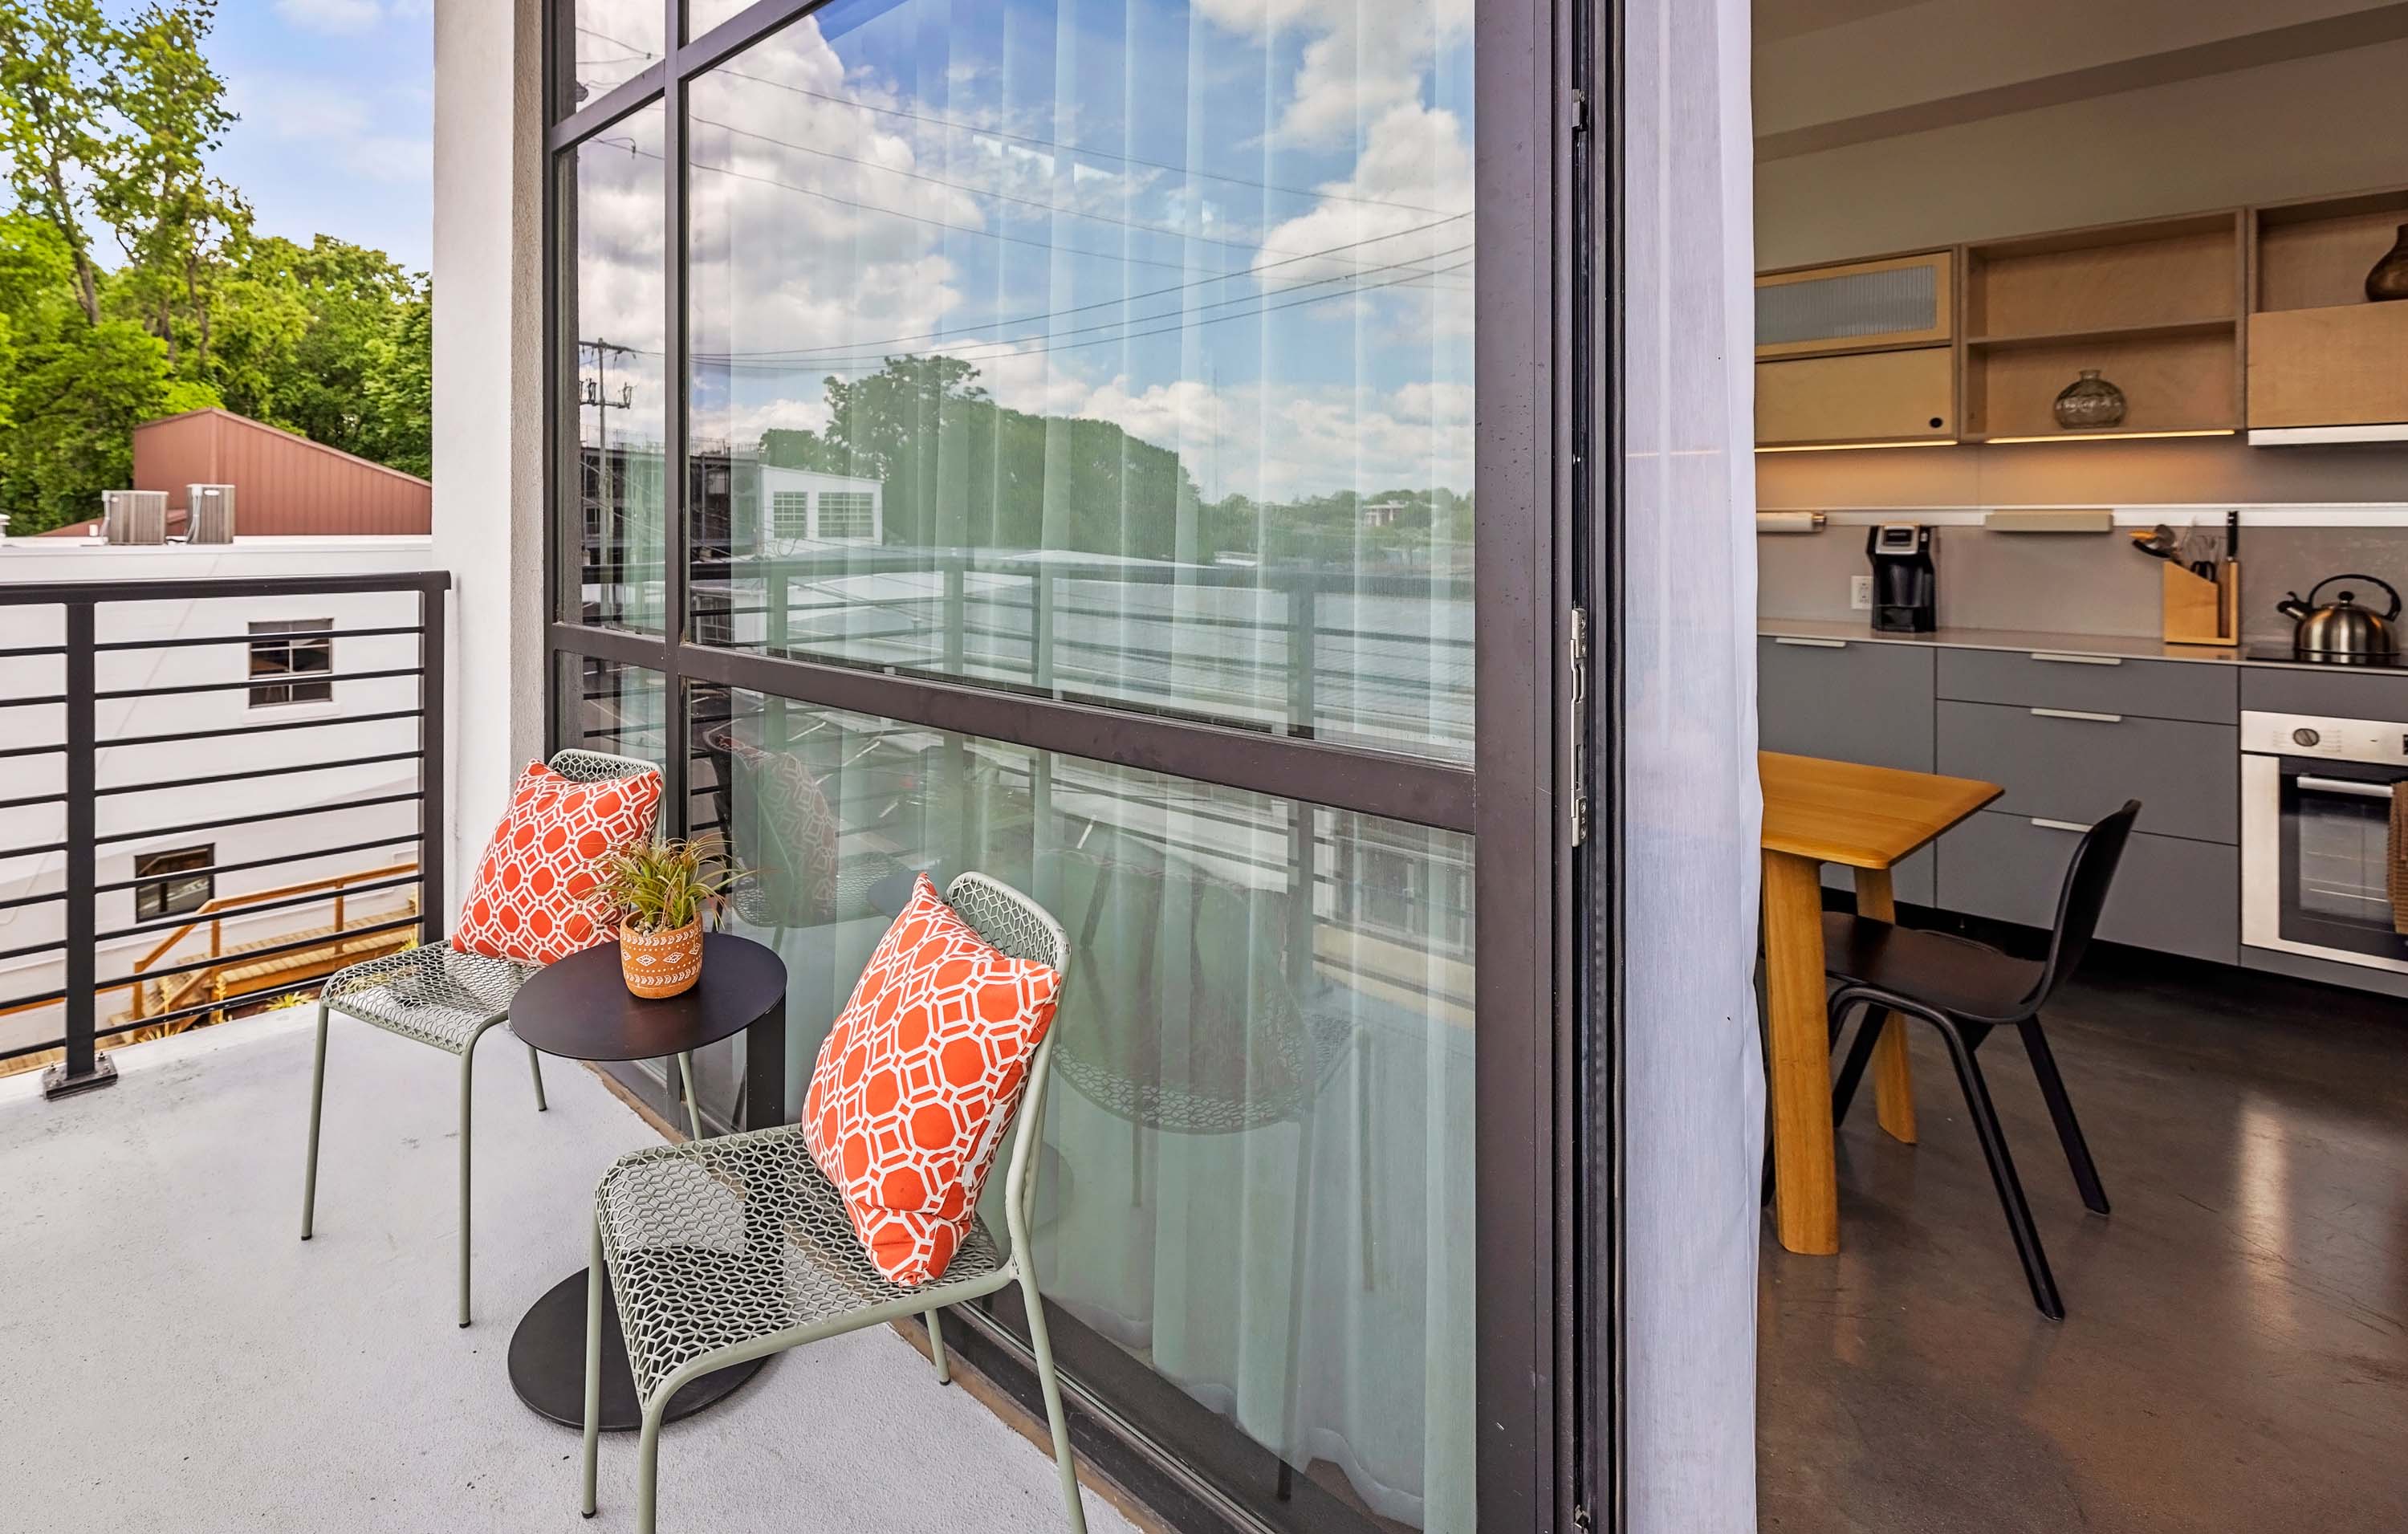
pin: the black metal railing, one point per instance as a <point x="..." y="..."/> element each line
<point x="67" y="695"/>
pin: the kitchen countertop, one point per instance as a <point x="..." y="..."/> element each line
<point x="2128" y="646"/>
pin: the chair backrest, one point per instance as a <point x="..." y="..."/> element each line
<point x="593" y="767"/>
<point x="2087" y="878"/>
<point x="1020" y="928"/>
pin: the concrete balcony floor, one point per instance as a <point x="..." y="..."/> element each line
<point x="178" y="1359"/>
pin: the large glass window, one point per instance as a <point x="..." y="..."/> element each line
<point x="1137" y="338"/>
<point x="614" y="41"/>
<point x="610" y="371"/>
<point x="1259" y="1151"/>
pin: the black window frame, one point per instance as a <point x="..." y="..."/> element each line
<point x="296" y="640"/>
<point x="156" y="898"/>
<point x="1547" y="1307"/>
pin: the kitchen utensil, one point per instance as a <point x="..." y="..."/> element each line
<point x="2203" y="568"/>
<point x="2158" y="542"/>
<point x="2341" y="629"/>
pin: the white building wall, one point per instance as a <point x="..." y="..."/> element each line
<point x="210" y="706"/>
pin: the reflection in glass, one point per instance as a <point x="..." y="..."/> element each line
<point x="613" y="42"/>
<point x="702" y="15"/>
<point x="1128" y="361"/>
<point x="609" y="388"/>
<point x="613" y="707"/>
<point x="1258" y="1177"/>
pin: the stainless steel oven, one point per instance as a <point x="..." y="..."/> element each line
<point x="2315" y="837"/>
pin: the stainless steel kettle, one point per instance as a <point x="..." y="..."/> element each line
<point x="2341" y="629"/>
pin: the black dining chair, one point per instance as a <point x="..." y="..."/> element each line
<point x="1966" y="990"/>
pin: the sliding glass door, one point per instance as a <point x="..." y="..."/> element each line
<point x="1050" y="437"/>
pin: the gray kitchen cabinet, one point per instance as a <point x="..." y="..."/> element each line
<point x="2081" y="765"/>
<point x="2352" y="693"/>
<point x="2171" y="895"/>
<point x="2096" y="683"/>
<point x="1851" y="700"/>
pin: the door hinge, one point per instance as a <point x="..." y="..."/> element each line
<point x="1580" y="111"/>
<point x="1583" y="1517"/>
<point x="1578" y="646"/>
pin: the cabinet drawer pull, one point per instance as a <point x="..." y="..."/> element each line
<point x="2075" y="826"/>
<point x="2077" y="660"/>
<point x="2077" y="713"/>
<point x="1810" y="644"/>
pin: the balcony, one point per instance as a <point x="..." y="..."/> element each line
<point x="173" y="1339"/>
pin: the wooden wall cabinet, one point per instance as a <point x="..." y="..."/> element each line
<point x="2319" y="354"/>
<point x="1858" y="353"/>
<point x="1866" y="396"/>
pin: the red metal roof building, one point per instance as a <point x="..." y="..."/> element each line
<point x="285" y="485"/>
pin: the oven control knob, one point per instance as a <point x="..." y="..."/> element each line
<point x="2304" y="737"/>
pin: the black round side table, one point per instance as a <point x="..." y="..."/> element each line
<point x="580" y="1009"/>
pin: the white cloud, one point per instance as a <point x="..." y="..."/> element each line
<point x="337" y="17"/>
<point x="1363" y="60"/>
<point x="344" y="129"/>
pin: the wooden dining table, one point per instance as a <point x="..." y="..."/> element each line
<point x="1868" y="819"/>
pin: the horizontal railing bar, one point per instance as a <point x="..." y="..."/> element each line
<point x="38" y="850"/>
<point x="32" y="799"/>
<point x="411" y="798"/>
<point x="397" y="839"/>
<point x="255" y="772"/>
<point x="206" y="588"/>
<point x="274" y="678"/>
<point x="29" y="650"/>
<point x="37" y="899"/>
<point x="247" y="998"/>
<point x="313" y="898"/>
<point x="324" y="723"/>
<point x="29" y="751"/>
<point x="33" y="702"/>
<point x="251" y="956"/>
<point x="31" y="948"/>
<point x="41" y="1044"/>
<point x="256" y="639"/>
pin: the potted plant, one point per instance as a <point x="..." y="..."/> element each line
<point x="660" y="892"/>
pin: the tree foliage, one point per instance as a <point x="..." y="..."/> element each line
<point x="134" y="285"/>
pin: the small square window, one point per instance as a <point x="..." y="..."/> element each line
<point x="848" y="513"/>
<point x="177" y="881"/>
<point x="281" y="659"/>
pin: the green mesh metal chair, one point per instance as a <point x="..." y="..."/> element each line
<point x="440" y="995"/>
<point x="723" y="1250"/>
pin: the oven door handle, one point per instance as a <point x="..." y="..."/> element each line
<point x="2343" y="785"/>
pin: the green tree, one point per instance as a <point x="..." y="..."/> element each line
<point x="55" y="99"/>
<point x="79" y="397"/>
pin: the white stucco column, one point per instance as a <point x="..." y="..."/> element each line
<point x="489" y="399"/>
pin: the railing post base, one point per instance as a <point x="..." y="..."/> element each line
<point x="56" y="1082"/>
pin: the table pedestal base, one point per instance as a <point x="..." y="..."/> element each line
<point x="547" y="1364"/>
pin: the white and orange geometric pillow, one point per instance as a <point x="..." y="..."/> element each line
<point x="532" y="898"/>
<point x="918" y="1079"/>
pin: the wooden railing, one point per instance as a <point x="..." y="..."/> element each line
<point x="188" y="986"/>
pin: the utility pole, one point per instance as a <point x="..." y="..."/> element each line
<point x="608" y="499"/>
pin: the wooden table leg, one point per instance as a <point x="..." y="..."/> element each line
<point x="1806" y="1193"/>
<point x="1893" y="1077"/>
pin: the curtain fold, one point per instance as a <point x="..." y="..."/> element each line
<point x="1693" y="1077"/>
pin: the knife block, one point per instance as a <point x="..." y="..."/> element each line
<point x="2198" y="610"/>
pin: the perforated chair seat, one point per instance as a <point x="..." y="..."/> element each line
<point x="437" y="994"/>
<point x="718" y="1242"/>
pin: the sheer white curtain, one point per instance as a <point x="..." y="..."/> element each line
<point x="1694" y="1093"/>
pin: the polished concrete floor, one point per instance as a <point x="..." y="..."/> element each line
<point x="2235" y="1351"/>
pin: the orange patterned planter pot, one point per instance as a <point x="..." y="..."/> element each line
<point x="659" y="965"/>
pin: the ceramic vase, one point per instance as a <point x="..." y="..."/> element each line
<point x="660" y="965"/>
<point x="2089" y="404"/>
<point x="2390" y="279"/>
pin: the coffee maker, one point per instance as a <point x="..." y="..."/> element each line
<point x="1906" y="587"/>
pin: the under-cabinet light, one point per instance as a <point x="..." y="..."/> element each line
<point x="2114" y="437"/>
<point x="1858" y="447"/>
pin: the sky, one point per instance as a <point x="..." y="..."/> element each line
<point x="336" y="99"/>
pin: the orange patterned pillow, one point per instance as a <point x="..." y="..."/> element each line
<point x="532" y="900"/>
<point x="918" y="1080"/>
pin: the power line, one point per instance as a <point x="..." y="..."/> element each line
<point x="1108" y="303"/>
<point x="1075" y="149"/>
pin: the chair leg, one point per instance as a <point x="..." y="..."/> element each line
<point x="535" y="1068"/>
<point x="936" y="1347"/>
<point x="593" y="1362"/>
<point x="1871" y="1021"/>
<point x="467" y="1073"/>
<point x="2003" y="1173"/>
<point x="317" y="1098"/>
<point x="2060" y="1108"/>
<point x="647" y="1463"/>
<point x="692" y="1104"/>
<point x="1051" y="1388"/>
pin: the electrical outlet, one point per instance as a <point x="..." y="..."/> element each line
<point x="1860" y="592"/>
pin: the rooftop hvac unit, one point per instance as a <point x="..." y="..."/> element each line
<point x="133" y="516"/>
<point x="209" y="514"/>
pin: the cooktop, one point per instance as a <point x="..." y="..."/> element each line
<point x="2286" y="653"/>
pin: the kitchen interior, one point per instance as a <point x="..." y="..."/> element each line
<point x="2081" y="474"/>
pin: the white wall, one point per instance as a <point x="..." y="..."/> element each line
<point x="488" y="397"/>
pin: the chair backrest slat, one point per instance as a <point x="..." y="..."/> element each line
<point x="2088" y="880"/>
<point x="1019" y="927"/>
